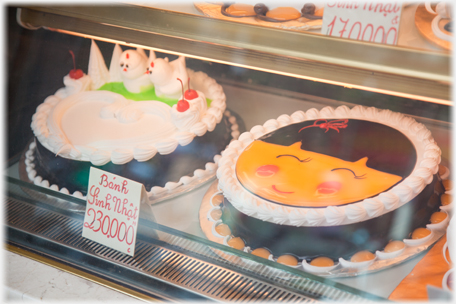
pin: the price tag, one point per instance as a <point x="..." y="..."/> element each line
<point x="112" y="211"/>
<point x="366" y="21"/>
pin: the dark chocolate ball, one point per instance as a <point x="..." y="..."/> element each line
<point x="308" y="8"/>
<point x="260" y="9"/>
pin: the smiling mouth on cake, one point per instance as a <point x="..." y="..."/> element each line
<point x="281" y="192"/>
<point x="328" y="188"/>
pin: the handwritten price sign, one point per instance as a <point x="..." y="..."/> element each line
<point x="112" y="210"/>
<point x="366" y="21"/>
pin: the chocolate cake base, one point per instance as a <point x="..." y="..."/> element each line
<point x="74" y="175"/>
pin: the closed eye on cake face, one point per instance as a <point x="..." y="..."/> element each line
<point x="292" y="176"/>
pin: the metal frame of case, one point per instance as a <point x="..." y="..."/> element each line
<point x="170" y="264"/>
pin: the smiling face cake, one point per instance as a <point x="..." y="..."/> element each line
<point x="148" y="119"/>
<point x="330" y="183"/>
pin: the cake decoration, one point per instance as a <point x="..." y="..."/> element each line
<point x="132" y="65"/>
<point x="164" y="74"/>
<point x="75" y="73"/>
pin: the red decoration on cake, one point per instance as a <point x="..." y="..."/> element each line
<point x="190" y="94"/>
<point x="182" y="105"/>
<point x="75" y="73"/>
<point x="325" y="124"/>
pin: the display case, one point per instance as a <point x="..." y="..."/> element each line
<point x="265" y="72"/>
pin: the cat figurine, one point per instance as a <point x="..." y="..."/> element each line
<point x="164" y="74"/>
<point x="133" y="65"/>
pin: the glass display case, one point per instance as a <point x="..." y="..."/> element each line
<point x="265" y="72"/>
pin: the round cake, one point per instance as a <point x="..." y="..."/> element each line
<point x="145" y="118"/>
<point x="340" y="185"/>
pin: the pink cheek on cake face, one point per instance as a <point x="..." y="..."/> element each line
<point x="266" y="171"/>
<point x="328" y="188"/>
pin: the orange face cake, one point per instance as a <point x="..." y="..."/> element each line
<point x="333" y="183"/>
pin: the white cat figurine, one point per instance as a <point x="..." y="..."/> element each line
<point x="133" y="65"/>
<point x="163" y="74"/>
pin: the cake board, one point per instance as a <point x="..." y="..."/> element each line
<point x="409" y="252"/>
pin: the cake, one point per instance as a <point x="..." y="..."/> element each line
<point x="330" y="188"/>
<point x="145" y="118"/>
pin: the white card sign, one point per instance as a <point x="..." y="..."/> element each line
<point x="367" y="21"/>
<point x="112" y="211"/>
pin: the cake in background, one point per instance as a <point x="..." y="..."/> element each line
<point x="145" y="118"/>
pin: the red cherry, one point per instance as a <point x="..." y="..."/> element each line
<point x="190" y="94"/>
<point x="75" y="73"/>
<point x="182" y="105"/>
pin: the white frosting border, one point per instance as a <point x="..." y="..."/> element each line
<point x="156" y="192"/>
<point x="57" y="144"/>
<point x="428" y="159"/>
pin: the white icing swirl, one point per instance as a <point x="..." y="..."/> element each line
<point x="327" y="112"/>
<point x="100" y="158"/>
<point x="373" y="207"/>
<point x="342" y="111"/>
<point x="167" y="146"/>
<point x="357" y="111"/>
<point x="371" y="113"/>
<point x="425" y="174"/>
<point x="404" y="192"/>
<point x="144" y="153"/>
<point x="199" y="129"/>
<point x="312" y="114"/>
<point x="315" y="217"/>
<point x="430" y="163"/>
<point x="335" y="216"/>
<point x="389" y="200"/>
<point x="184" y="138"/>
<point x="355" y="213"/>
<point x="298" y="116"/>
<point x="416" y="183"/>
<point x="284" y="120"/>
<point x="185" y="120"/>
<point x="121" y="156"/>
<point x="74" y="86"/>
